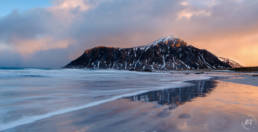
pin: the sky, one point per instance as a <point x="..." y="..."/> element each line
<point x="7" y="6"/>
<point x="51" y="33"/>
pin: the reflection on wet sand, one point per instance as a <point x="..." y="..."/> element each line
<point x="177" y="96"/>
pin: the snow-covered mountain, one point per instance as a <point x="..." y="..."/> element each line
<point x="164" y="54"/>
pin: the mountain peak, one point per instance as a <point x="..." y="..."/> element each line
<point x="163" y="40"/>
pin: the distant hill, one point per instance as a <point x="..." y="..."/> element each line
<point x="164" y="54"/>
<point x="246" y="69"/>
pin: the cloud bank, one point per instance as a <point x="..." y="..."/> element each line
<point x="52" y="36"/>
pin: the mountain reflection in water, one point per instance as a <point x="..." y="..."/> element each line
<point x="177" y="96"/>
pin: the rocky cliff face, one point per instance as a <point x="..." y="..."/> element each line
<point x="164" y="54"/>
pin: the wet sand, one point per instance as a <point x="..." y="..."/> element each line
<point x="208" y="106"/>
